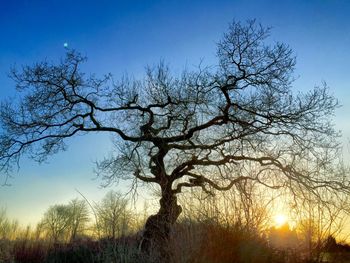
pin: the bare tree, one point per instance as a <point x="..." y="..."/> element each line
<point x="248" y="205"/>
<point x="113" y="216"/>
<point x="65" y="222"/>
<point x="56" y="222"/>
<point x="199" y="129"/>
<point x="318" y="219"/>
<point x="39" y="230"/>
<point x="79" y="218"/>
<point x="8" y="228"/>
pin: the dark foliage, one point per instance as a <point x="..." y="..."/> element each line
<point x="82" y="252"/>
<point x="219" y="244"/>
<point x="29" y="252"/>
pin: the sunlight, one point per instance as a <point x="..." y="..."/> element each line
<point x="280" y="220"/>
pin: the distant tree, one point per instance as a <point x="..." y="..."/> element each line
<point x="56" y="222"/>
<point x="113" y="216"/>
<point x="79" y="218"/>
<point x="199" y="129"/>
<point x="318" y="219"/>
<point x="248" y="205"/>
<point x="330" y="244"/>
<point x="8" y="228"/>
<point x="65" y="222"/>
<point x="39" y="230"/>
<point x="4" y="224"/>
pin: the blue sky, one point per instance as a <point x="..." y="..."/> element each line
<point x="125" y="36"/>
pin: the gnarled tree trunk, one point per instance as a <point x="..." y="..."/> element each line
<point x="156" y="235"/>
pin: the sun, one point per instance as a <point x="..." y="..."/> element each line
<point x="280" y="220"/>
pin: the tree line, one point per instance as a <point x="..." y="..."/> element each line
<point x="110" y="218"/>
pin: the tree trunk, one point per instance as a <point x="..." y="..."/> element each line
<point x="156" y="235"/>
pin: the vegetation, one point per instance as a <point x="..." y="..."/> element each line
<point x="237" y="126"/>
<point x="209" y="230"/>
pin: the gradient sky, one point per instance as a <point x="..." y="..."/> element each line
<point x="125" y="36"/>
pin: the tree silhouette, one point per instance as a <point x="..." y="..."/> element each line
<point x="113" y="216"/>
<point x="56" y="222"/>
<point x="8" y="228"/>
<point x="79" y="217"/>
<point x="199" y="129"/>
<point x="65" y="222"/>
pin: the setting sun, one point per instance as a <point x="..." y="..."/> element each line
<point x="280" y="220"/>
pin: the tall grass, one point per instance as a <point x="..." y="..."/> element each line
<point x="210" y="230"/>
<point x="191" y="242"/>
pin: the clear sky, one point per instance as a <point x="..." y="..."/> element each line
<point x="124" y="36"/>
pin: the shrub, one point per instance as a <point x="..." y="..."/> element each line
<point x="76" y="252"/>
<point x="29" y="252"/>
<point x="209" y="242"/>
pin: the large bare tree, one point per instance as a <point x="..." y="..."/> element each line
<point x="198" y="129"/>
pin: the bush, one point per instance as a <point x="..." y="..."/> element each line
<point x="212" y="243"/>
<point x="29" y="252"/>
<point x="121" y="250"/>
<point x="5" y="251"/>
<point x="76" y="252"/>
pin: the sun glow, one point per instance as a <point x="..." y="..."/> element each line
<point x="280" y="220"/>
